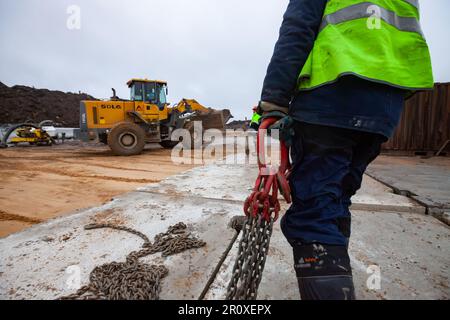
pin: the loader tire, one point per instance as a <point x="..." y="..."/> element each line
<point x="168" y="144"/>
<point x="126" y="139"/>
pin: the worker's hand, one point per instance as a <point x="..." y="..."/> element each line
<point x="265" y="107"/>
<point x="283" y="125"/>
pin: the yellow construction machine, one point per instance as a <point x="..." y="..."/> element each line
<point x="127" y="125"/>
<point x="34" y="134"/>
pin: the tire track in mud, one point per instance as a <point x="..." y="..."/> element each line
<point x="22" y="168"/>
<point x="48" y="158"/>
<point x="38" y="153"/>
<point x="61" y="172"/>
<point x="5" y="216"/>
<point x="153" y="163"/>
<point x="104" y="166"/>
<point x="75" y="154"/>
<point x="8" y="164"/>
<point x="64" y="159"/>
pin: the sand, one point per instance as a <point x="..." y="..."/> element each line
<point x="40" y="183"/>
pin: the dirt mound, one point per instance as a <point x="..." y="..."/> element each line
<point x="25" y="104"/>
<point x="238" y="124"/>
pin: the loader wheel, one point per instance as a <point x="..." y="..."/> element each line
<point x="168" y="144"/>
<point x="126" y="139"/>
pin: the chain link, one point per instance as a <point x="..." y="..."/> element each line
<point x="251" y="258"/>
<point x="262" y="208"/>
<point x="133" y="280"/>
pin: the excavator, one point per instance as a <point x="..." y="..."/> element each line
<point x="127" y="125"/>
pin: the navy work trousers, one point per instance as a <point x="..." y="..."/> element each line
<point x="328" y="166"/>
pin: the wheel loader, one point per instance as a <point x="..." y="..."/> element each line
<point x="127" y="125"/>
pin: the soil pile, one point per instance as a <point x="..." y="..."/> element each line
<point x="238" y="124"/>
<point x="25" y="104"/>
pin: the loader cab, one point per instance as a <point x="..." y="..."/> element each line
<point x="149" y="91"/>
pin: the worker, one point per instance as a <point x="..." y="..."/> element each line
<point x="256" y="118"/>
<point x="341" y="69"/>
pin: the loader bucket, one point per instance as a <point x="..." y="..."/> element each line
<point x="213" y="119"/>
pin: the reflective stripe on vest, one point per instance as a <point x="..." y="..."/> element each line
<point x="360" y="11"/>
<point x="414" y="3"/>
<point x="377" y="40"/>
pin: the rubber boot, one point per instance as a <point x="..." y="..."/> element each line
<point x="327" y="288"/>
<point x="323" y="272"/>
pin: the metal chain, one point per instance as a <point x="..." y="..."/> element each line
<point x="133" y="280"/>
<point x="251" y="259"/>
<point x="262" y="208"/>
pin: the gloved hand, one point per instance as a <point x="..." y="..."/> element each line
<point x="286" y="128"/>
<point x="284" y="125"/>
<point x="265" y="107"/>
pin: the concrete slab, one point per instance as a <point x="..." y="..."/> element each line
<point x="427" y="180"/>
<point x="233" y="182"/>
<point x="34" y="262"/>
<point x="411" y="249"/>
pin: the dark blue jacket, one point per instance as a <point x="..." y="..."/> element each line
<point x="350" y="102"/>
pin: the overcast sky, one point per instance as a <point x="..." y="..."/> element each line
<point x="215" y="51"/>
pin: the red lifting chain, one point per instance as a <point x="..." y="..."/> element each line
<point x="264" y="199"/>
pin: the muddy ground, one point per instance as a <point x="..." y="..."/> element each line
<point x="40" y="183"/>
